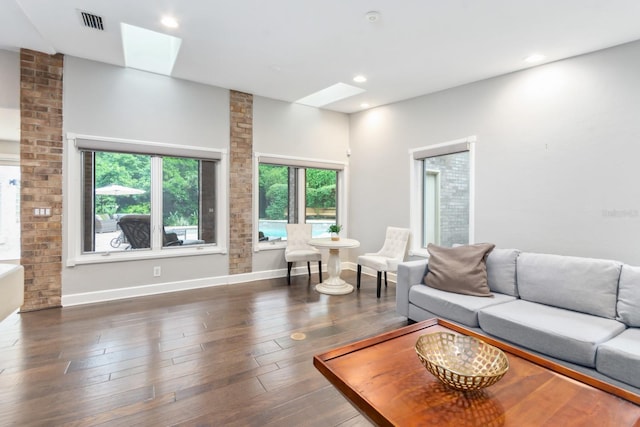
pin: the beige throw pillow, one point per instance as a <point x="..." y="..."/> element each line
<point x="461" y="269"/>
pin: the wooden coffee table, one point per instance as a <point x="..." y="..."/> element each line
<point x="384" y="379"/>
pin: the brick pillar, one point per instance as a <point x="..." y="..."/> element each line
<point x="41" y="178"/>
<point x="240" y="183"/>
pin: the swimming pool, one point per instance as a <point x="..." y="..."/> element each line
<point x="277" y="229"/>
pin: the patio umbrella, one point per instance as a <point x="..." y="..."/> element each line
<point x="117" y="190"/>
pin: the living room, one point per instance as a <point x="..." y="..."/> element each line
<point x="554" y="160"/>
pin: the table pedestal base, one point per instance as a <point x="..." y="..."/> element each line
<point x="337" y="289"/>
<point x="334" y="285"/>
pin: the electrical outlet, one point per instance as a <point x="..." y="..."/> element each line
<point x="157" y="271"/>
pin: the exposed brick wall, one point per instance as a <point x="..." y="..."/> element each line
<point x="41" y="177"/>
<point x="240" y="183"/>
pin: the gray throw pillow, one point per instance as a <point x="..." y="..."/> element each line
<point x="461" y="269"/>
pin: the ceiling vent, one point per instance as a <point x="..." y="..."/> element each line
<point x="92" y="21"/>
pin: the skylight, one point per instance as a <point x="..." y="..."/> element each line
<point x="148" y="50"/>
<point x="329" y="95"/>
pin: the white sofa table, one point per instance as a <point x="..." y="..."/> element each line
<point x="334" y="285"/>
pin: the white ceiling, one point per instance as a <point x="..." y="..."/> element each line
<point x="288" y="49"/>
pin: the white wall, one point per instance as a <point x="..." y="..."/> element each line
<point x="557" y="152"/>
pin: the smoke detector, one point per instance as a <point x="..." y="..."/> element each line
<point x="372" y="16"/>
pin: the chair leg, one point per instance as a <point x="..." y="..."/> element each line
<point x="379" y="283"/>
<point x="309" y="268"/>
<point x="385" y="279"/>
<point x="358" y="275"/>
<point x="320" y="271"/>
<point x="289" y="265"/>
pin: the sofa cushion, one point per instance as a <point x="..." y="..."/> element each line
<point x="580" y="284"/>
<point x="457" y="307"/>
<point x="564" y="334"/>
<point x="629" y="296"/>
<point x="619" y="358"/>
<point x="501" y="271"/>
<point x="459" y="269"/>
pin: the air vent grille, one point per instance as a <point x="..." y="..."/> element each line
<point x="92" y="21"/>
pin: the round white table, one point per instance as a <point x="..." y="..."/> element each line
<point x="334" y="285"/>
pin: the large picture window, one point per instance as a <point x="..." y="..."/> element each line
<point x="442" y="194"/>
<point x="145" y="198"/>
<point x="117" y="203"/>
<point x="291" y="192"/>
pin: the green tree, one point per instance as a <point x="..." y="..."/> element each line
<point x="129" y="170"/>
<point x="321" y="189"/>
<point x="268" y="176"/>
<point x="180" y="190"/>
<point x="277" y="201"/>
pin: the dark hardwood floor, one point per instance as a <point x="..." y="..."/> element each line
<point x="209" y="357"/>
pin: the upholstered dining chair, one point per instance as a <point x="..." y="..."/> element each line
<point x="387" y="258"/>
<point x="298" y="249"/>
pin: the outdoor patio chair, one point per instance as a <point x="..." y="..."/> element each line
<point x="105" y="224"/>
<point x="137" y="230"/>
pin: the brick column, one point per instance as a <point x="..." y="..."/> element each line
<point x="41" y="177"/>
<point x="240" y="183"/>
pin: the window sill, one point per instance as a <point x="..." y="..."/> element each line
<point x="121" y="256"/>
<point x="269" y="246"/>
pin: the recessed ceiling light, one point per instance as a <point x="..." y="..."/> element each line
<point x="535" y="57"/>
<point x="364" y="105"/>
<point x="359" y="78"/>
<point x="169" y="21"/>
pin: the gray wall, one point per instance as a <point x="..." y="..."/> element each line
<point x="9" y="102"/>
<point x="109" y="101"/>
<point x="9" y="79"/>
<point x="285" y="129"/>
<point x="556" y="160"/>
<point x="105" y="100"/>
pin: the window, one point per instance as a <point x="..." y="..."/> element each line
<point x="442" y="194"/>
<point x="294" y="191"/>
<point x="146" y="198"/>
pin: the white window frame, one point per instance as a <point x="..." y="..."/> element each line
<point x="74" y="196"/>
<point x="416" y="187"/>
<point x="341" y="187"/>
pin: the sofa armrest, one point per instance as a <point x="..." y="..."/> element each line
<point x="409" y="273"/>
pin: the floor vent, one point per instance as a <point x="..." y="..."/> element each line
<point x="92" y="21"/>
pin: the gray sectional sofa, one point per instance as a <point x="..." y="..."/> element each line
<point x="583" y="313"/>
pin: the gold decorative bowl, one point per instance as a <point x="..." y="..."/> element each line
<point x="461" y="362"/>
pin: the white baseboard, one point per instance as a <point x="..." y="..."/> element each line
<point x="161" y="288"/>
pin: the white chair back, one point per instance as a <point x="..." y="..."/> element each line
<point x="395" y="243"/>
<point x="298" y="236"/>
